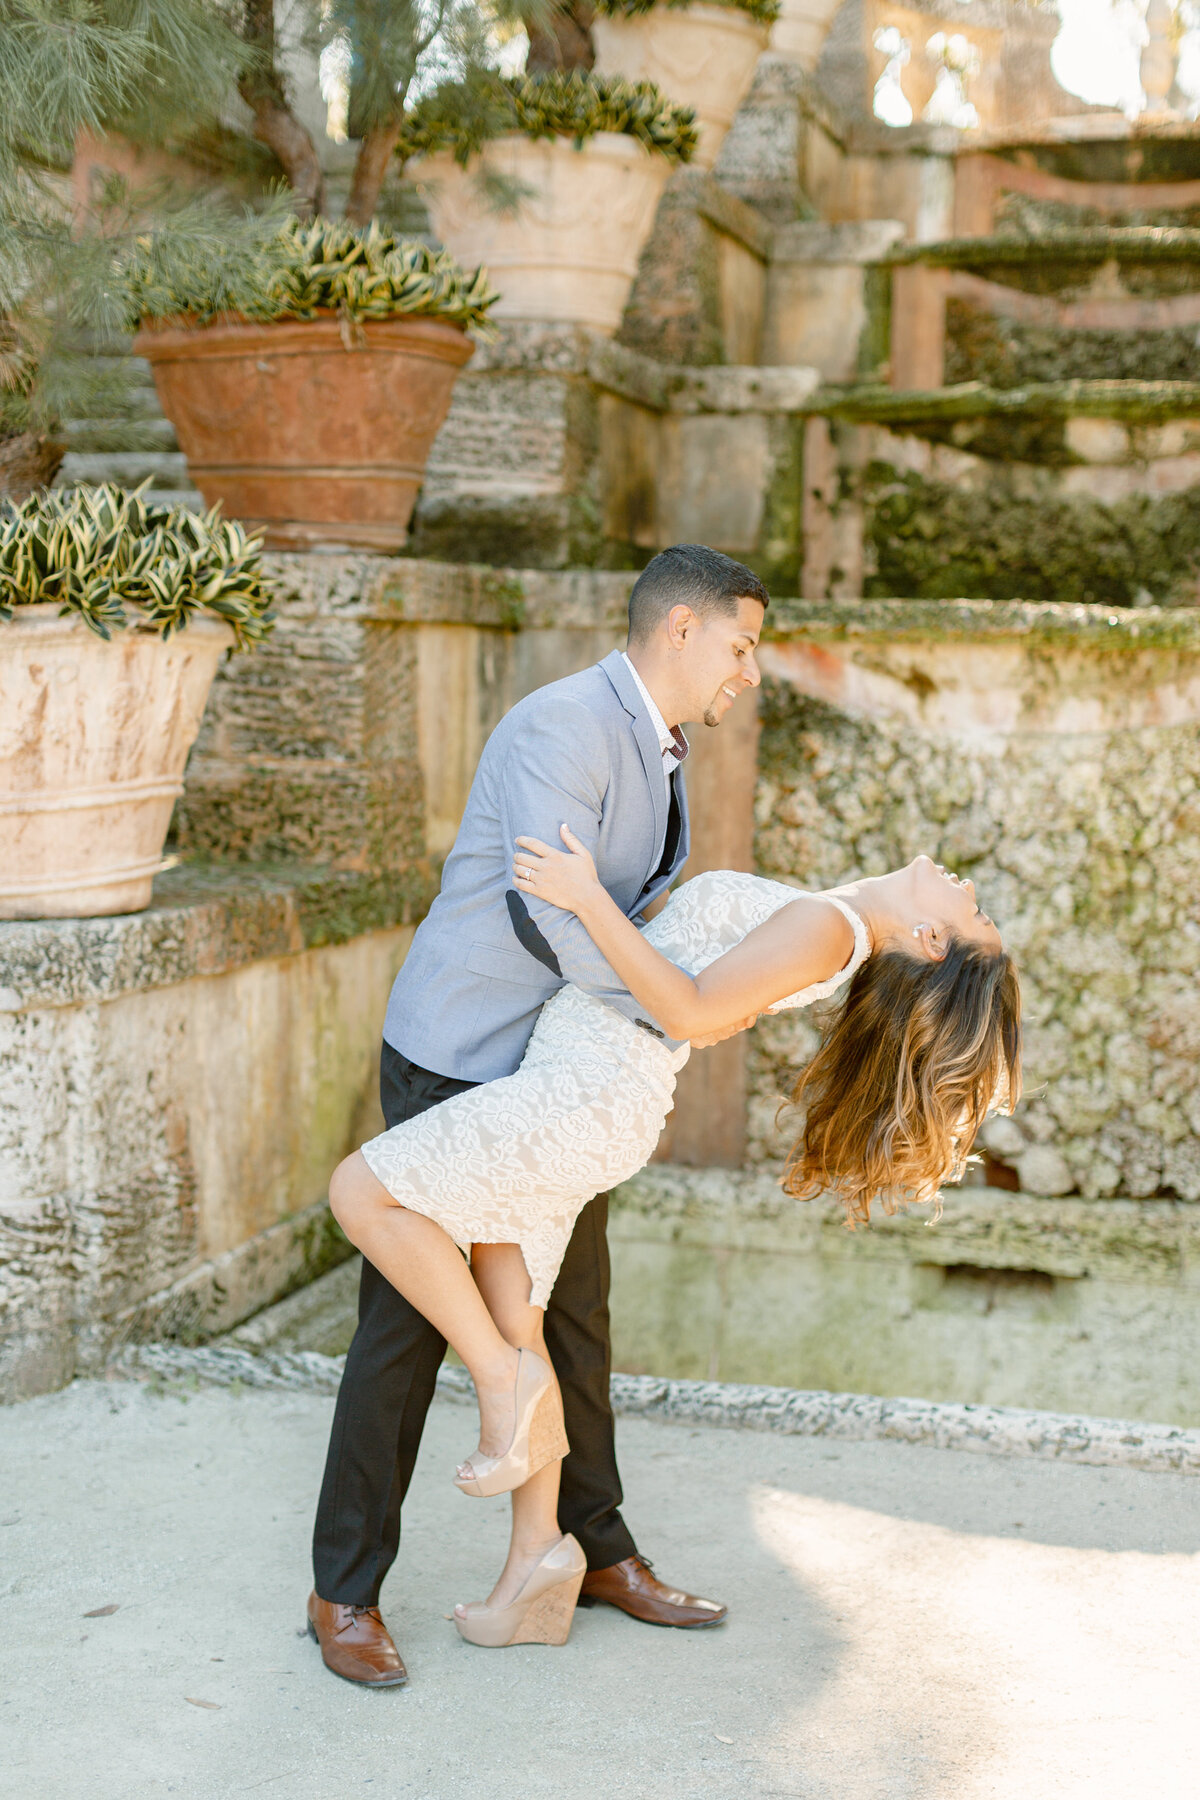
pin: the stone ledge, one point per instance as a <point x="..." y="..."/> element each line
<point x="933" y="621"/>
<point x="727" y="213"/>
<point x="715" y="388"/>
<point x="981" y="1228"/>
<point x="1126" y="243"/>
<point x="405" y="591"/>
<point x="990" y="1430"/>
<point x="817" y="241"/>
<point x="204" y="920"/>
<point x="416" y="591"/>
<point x="1128" y="400"/>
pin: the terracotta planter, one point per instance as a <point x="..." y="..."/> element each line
<point x="569" y="252"/>
<point x="93" y="742"/>
<point x="700" y="56"/>
<point x="315" y="443"/>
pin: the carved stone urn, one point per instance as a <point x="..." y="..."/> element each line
<point x="568" y="250"/>
<point x="700" y="56"/>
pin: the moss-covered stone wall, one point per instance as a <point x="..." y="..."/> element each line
<point x="1036" y="216"/>
<point x="1085" y="846"/>
<point x="1008" y="353"/>
<point x="930" y="539"/>
<point x="1126" y="157"/>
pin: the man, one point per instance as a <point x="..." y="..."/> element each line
<point x="482" y="964"/>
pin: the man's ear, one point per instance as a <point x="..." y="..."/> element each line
<point x="680" y="621"/>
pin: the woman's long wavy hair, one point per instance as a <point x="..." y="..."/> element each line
<point x="915" y="1060"/>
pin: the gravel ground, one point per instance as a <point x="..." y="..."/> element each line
<point x="905" y="1621"/>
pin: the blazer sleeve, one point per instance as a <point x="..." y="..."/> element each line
<point x="557" y="773"/>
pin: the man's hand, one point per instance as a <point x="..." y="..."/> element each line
<point x="718" y="1037"/>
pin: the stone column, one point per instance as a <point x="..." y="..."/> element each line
<point x="918" y="326"/>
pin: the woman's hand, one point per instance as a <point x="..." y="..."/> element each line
<point x="564" y="878"/>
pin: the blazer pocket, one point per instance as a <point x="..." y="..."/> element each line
<point x="506" y="965"/>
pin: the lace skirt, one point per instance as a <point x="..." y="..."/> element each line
<point x="515" y="1161"/>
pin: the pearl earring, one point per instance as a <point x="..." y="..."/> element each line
<point x="916" y="931"/>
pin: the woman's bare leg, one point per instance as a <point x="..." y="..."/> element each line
<point x="503" y="1281"/>
<point x="424" y="1265"/>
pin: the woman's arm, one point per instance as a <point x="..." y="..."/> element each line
<point x="804" y="942"/>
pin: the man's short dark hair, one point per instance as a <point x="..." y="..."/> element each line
<point x="689" y="575"/>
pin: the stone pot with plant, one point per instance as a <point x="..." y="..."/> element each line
<point x="113" y="617"/>
<point x="552" y="180"/>
<point x="306" y="370"/>
<point x="702" y="56"/>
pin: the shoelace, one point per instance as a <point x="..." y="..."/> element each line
<point x="356" y="1613"/>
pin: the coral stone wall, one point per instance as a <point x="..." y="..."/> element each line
<point x="1060" y="768"/>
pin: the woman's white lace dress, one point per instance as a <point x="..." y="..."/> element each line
<point x="514" y="1161"/>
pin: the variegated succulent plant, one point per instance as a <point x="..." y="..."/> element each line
<point x="118" y="560"/>
<point x="300" y="270"/>
<point x="461" y="116"/>
<point x="765" y="11"/>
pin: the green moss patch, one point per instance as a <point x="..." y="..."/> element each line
<point x="1153" y="260"/>
<point x="924" y="410"/>
<point x="1030" y="217"/>
<point x="1005" y="353"/>
<point x="930" y="540"/>
<point x="1123" y="158"/>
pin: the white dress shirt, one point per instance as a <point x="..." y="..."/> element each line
<point x="671" y="741"/>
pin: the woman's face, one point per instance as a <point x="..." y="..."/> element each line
<point x="943" y="899"/>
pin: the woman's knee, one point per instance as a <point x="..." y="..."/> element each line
<point x="348" y="1192"/>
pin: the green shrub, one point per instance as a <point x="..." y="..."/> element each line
<point x="118" y="561"/>
<point x="765" y="11"/>
<point x="462" y="116"/>
<point x="263" y="271"/>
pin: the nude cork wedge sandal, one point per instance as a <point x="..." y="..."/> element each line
<point x="538" y="1436"/>
<point x="542" y="1611"/>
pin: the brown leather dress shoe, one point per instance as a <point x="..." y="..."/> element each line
<point x="635" y="1588"/>
<point x="355" y="1643"/>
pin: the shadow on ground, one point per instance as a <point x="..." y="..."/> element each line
<point x="905" y="1622"/>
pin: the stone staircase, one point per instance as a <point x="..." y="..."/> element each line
<point x="1031" y="427"/>
<point x="135" y="442"/>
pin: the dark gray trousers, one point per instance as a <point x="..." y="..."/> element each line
<point x="389" y="1381"/>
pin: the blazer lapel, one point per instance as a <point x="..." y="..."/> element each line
<point x="646" y="738"/>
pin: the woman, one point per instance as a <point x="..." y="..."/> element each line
<point x="927" y="1042"/>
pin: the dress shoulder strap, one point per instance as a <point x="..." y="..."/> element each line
<point x="821" y="990"/>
